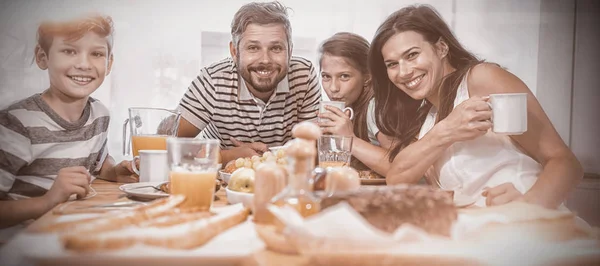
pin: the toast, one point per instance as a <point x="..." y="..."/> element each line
<point x="187" y="233"/>
<point x="118" y="220"/>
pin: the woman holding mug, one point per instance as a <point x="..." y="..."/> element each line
<point x="345" y="78"/>
<point x="431" y="94"/>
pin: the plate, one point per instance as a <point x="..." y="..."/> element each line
<point x="275" y="148"/>
<point x="143" y="190"/>
<point x="372" y="181"/>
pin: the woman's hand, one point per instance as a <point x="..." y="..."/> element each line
<point x="501" y="194"/>
<point x="336" y="122"/>
<point x="469" y="120"/>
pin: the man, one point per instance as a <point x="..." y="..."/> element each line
<point x="252" y="100"/>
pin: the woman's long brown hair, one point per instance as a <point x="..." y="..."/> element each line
<point x="355" y="50"/>
<point x="396" y="113"/>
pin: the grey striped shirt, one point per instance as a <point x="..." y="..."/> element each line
<point x="35" y="143"/>
<point x="222" y="107"/>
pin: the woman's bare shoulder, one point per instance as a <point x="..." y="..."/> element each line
<point x="488" y="78"/>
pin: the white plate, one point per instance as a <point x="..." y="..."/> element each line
<point x="142" y="190"/>
<point x="275" y="148"/>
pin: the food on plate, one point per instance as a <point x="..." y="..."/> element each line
<point x="367" y="174"/>
<point x="119" y="220"/>
<point x="186" y="233"/>
<point x="387" y="208"/>
<point x="254" y="161"/>
<point x="161" y="223"/>
<point x="242" y="180"/>
<point x="165" y="187"/>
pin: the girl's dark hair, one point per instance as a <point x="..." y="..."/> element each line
<point x="397" y="114"/>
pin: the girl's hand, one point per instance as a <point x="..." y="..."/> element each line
<point x="469" y="120"/>
<point x="336" y="122"/>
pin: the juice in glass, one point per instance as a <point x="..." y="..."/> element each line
<point x="197" y="187"/>
<point x="326" y="164"/>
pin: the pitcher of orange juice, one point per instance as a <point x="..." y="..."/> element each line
<point x="149" y="129"/>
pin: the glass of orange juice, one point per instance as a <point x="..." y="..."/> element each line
<point x="193" y="164"/>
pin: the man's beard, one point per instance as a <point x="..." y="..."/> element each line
<point x="261" y="84"/>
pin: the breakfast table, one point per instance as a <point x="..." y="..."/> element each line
<point x="109" y="192"/>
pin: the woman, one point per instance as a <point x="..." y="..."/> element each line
<point x="432" y="96"/>
<point x="345" y="77"/>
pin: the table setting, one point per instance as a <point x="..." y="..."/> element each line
<point x="292" y="206"/>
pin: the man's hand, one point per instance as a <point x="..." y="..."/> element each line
<point x="70" y="180"/>
<point x="258" y="147"/>
<point x="124" y="172"/>
<point x="237" y="152"/>
<point x="501" y="194"/>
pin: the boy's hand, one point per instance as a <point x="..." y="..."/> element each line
<point x="70" y="180"/>
<point x="124" y="173"/>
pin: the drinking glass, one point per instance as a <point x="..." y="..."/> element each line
<point x="334" y="150"/>
<point x="193" y="167"/>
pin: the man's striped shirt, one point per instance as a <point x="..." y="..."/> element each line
<point x="220" y="105"/>
<point x="35" y="143"/>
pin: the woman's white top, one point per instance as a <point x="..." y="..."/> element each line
<point x="487" y="161"/>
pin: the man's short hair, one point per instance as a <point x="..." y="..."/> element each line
<point x="262" y="14"/>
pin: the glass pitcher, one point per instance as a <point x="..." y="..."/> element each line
<point x="149" y="129"/>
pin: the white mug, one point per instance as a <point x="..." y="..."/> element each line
<point x="509" y="113"/>
<point x="339" y="105"/>
<point x="153" y="166"/>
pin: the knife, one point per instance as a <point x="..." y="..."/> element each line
<point x="121" y="204"/>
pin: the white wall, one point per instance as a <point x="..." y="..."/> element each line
<point x="555" y="63"/>
<point x="585" y="130"/>
<point x="505" y="32"/>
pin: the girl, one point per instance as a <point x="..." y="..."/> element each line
<point x="345" y="77"/>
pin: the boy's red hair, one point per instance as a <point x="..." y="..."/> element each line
<point x="74" y="29"/>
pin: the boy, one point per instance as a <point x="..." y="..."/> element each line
<point x="51" y="144"/>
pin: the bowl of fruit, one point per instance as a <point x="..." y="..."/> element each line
<point x="254" y="161"/>
<point x="240" y="188"/>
